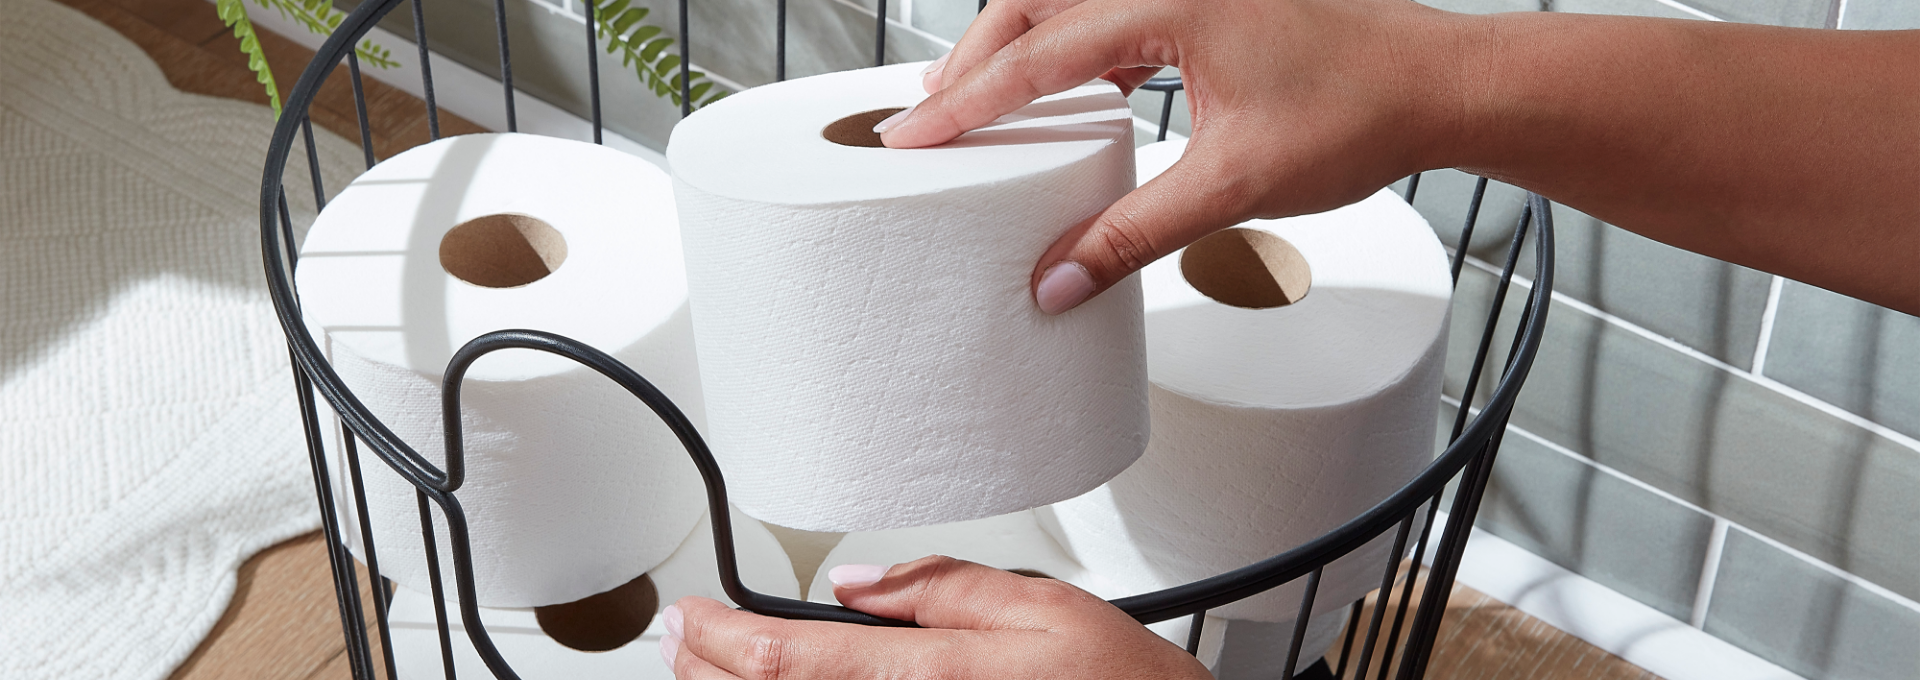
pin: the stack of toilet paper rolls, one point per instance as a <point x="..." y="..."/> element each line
<point x="851" y="328"/>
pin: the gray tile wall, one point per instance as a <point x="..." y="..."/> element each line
<point x="1808" y="620"/>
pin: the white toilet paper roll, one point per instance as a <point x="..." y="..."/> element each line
<point x="1014" y="542"/>
<point x="534" y="655"/>
<point x="572" y="485"/>
<point x="871" y="353"/>
<point x="1275" y="425"/>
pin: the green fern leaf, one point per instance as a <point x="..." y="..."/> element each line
<point x="700" y="90"/>
<point x="652" y="50"/>
<point x="645" y="32"/>
<point x="667" y="64"/>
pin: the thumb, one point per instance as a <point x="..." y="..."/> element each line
<point x="943" y="592"/>
<point x="1199" y="195"/>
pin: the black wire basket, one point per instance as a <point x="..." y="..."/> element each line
<point x="1464" y="467"/>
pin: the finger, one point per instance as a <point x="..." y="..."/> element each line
<point x="999" y="23"/>
<point x="689" y="666"/>
<point x="763" y="648"/>
<point x="1199" y="195"/>
<point x="942" y="592"/>
<point x="1066" y="51"/>
<point x="1131" y="78"/>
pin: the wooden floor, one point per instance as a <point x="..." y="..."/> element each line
<point x="284" y="622"/>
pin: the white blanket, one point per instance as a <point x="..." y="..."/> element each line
<point x="149" y="438"/>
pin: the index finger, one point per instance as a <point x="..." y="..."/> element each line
<point x="1063" y="52"/>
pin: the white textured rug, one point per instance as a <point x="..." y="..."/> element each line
<point x="149" y="440"/>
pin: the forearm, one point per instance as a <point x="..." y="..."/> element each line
<point x="1791" y="151"/>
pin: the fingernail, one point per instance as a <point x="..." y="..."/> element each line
<point x="672" y="618"/>
<point x="1064" y="286"/>
<point x="930" y="78"/>
<point x="669" y="648"/>
<point x="892" y="120"/>
<point x="856" y="575"/>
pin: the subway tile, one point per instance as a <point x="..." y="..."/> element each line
<point x="1703" y="303"/>
<point x="1634" y="8"/>
<point x="1715" y="439"/>
<point x="1801" y="13"/>
<point x="1622" y="536"/>
<point x="1809" y="620"/>
<point x="1857" y="355"/>
<point x="1881" y="14"/>
<point x="947" y="19"/>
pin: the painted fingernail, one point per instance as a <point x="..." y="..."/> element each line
<point x="892" y="121"/>
<point x="1064" y="286"/>
<point x="669" y="648"/>
<point x="855" y="575"/>
<point x="672" y="618"/>
<point x="930" y="78"/>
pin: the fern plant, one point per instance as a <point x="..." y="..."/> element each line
<point x="643" y="49"/>
<point x="317" y="16"/>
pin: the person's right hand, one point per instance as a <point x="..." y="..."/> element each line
<point x="1298" y="106"/>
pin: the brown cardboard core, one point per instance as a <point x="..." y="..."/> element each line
<point x="1247" y="268"/>
<point x="857" y="129"/>
<point x="602" y="622"/>
<point x="1031" y="573"/>
<point x="502" y="251"/>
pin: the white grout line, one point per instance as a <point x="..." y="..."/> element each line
<point x="1767" y="320"/>
<point x="1709" y="572"/>
<point x="1676" y="5"/>
<point x="1790" y="392"/>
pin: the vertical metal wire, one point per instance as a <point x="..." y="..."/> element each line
<point x="434" y="584"/>
<point x="593" y="67"/>
<point x="360" y="108"/>
<point x="686" y="64"/>
<point x="1400" y="611"/>
<point x="1166" y="116"/>
<point x="1380" y="605"/>
<point x="1413" y="186"/>
<point x="880" y="34"/>
<point x="780" y="41"/>
<point x="1300" y="623"/>
<point x="426" y="69"/>
<point x="506" y="62"/>
<point x="1194" y="629"/>
<point x="382" y="588"/>
<point x="1353" y="628"/>
<point x="313" y="163"/>
<point x="1466" y="232"/>
<point x="346" y="584"/>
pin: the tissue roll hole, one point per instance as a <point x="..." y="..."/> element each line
<point x="1247" y="268"/>
<point x="502" y="251"/>
<point x="602" y="622"/>
<point x="1031" y="573"/>
<point x="857" y="129"/>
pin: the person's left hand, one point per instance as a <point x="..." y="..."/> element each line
<point x="978" y="622"/>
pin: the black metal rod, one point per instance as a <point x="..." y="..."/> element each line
<point x="1353" y="630"/>
<point x="780" y="41"/>
<point x="1380" y="604"/>
<point x="435" y="585"/>
<point x="382" y="593"/>
<point x="1197" y="626"/>
<point x="593" y="67"/>
<point x="1400" y="609"/>
<point x="506" y="62"/>
<point x="1466" y="232"/>
<point x="880" y="34"/>
<point x="1166" y="116"/>
<point x="360" y="108"/>
<point x="426" y="63"/>
<point x="1413" y="186"/>
<point x="686" y="63"/>
<point x="313" y="164"/>
<point x="1300" y="623"/>
<point x="346" y="586"/>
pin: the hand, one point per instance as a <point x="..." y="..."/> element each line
<point x="1299" y="106"/>
<point x="979" y="623"/>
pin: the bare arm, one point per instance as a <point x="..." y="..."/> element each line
<point x="1795" y="151"/>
